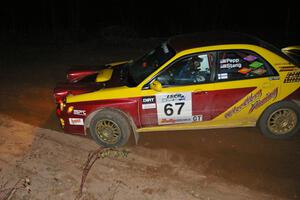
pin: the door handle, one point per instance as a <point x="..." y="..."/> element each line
<point x="266" y="85"/>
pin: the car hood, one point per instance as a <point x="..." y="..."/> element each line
<point x="82" y="80"/>
<point x="77" y="73"/>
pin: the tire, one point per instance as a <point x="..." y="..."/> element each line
<point x="280" y="121"/>
<point x="110" y="129"/>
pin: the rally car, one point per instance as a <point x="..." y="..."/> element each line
<point x="196" y="81"/>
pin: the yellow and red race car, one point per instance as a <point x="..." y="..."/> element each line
<point x="197" y="81"/>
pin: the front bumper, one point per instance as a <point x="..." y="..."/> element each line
<point x="66" y="121"/>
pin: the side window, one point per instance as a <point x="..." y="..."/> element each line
<point x="239" y="64"/>
<point x="189" y="70"/>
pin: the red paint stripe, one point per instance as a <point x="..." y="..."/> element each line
<point x="224" y="99"/>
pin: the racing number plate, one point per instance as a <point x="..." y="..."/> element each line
<point x="174" y="108"/>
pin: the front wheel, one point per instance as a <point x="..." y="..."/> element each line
<point x="110" y="129"/>
<point x="280" y="120"/>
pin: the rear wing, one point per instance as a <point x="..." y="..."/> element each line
<point x="293" y="52"/>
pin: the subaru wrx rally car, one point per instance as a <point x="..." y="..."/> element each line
<point x="196" y="81"/>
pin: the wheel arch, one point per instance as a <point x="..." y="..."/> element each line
<point x="296" y="102"/>
<point x="124" y="114"/>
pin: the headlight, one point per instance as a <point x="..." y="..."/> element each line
<point x="70" y="109"/>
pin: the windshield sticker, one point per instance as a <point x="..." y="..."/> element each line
<point x="174" y="108"/>
<point x="223" y="76"/>
<point x="76" y="121"/>
<point x="148" y="102"/>
<point x="256" y="65"/>
<point x="79" y="112"/>
<point x="259" y="71"/>
<point x="292" y="77"/>
<point x="250" y="58"/>
<point x="229" y="63"/>
<point x="244" y="70"/>
<point x="251" y="98"/>
<point x="268" y="97"/>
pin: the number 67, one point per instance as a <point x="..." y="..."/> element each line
<point x="168" y="109"/>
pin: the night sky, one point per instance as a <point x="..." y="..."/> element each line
<point x="275" y="22"/>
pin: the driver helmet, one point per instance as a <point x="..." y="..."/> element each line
<point x="196" y="62"/>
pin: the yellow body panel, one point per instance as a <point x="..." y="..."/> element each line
<point x="104" y="75"/>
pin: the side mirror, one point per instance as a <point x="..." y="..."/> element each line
<point x="156" y="85"/>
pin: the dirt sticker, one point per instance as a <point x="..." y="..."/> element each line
<point x="148" y="102"/>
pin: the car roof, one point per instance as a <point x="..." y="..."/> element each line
<point x="194" y="40"/>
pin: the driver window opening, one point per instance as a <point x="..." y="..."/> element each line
<point x="194" y="69"/>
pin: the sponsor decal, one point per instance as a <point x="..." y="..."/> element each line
<point x="256" y="65"/>
<point x="173" y="97"/>
<point x="229" y="63"/>
<point x="268" y="97"/>
<point x="251" y="98"/>
<point x="148" y="102"/>
<point x="292" y="77"/>
<point x="259" y="71"/>
<point x="274" y="78"/>
<point x="244" y="70"/>
<point x="197" y="118"/>
<point x="79" y="112"/>
<point x="223" y="76"/>
<point x="76" y="121"/>
<point x="250" y="58"/>
<point x="174" y="108"/>
<point x="167" y="121"/>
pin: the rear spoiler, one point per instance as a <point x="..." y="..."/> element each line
<point x="293" y="52"/>
<point x="291" y="49"/>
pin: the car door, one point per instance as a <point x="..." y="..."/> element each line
<point x="185" y="92"/>
<point x="245" y="83"/>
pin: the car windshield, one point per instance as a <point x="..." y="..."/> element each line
<point x="141" y="68"/>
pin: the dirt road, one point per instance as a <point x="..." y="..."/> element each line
<point x="207" y="164"/>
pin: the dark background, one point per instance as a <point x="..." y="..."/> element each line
<point x="46" y="20"/>
<point x="40" y="40"/>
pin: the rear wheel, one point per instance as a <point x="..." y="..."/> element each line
<point x="280" y="120"/>
<point x="110" y="128"/>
